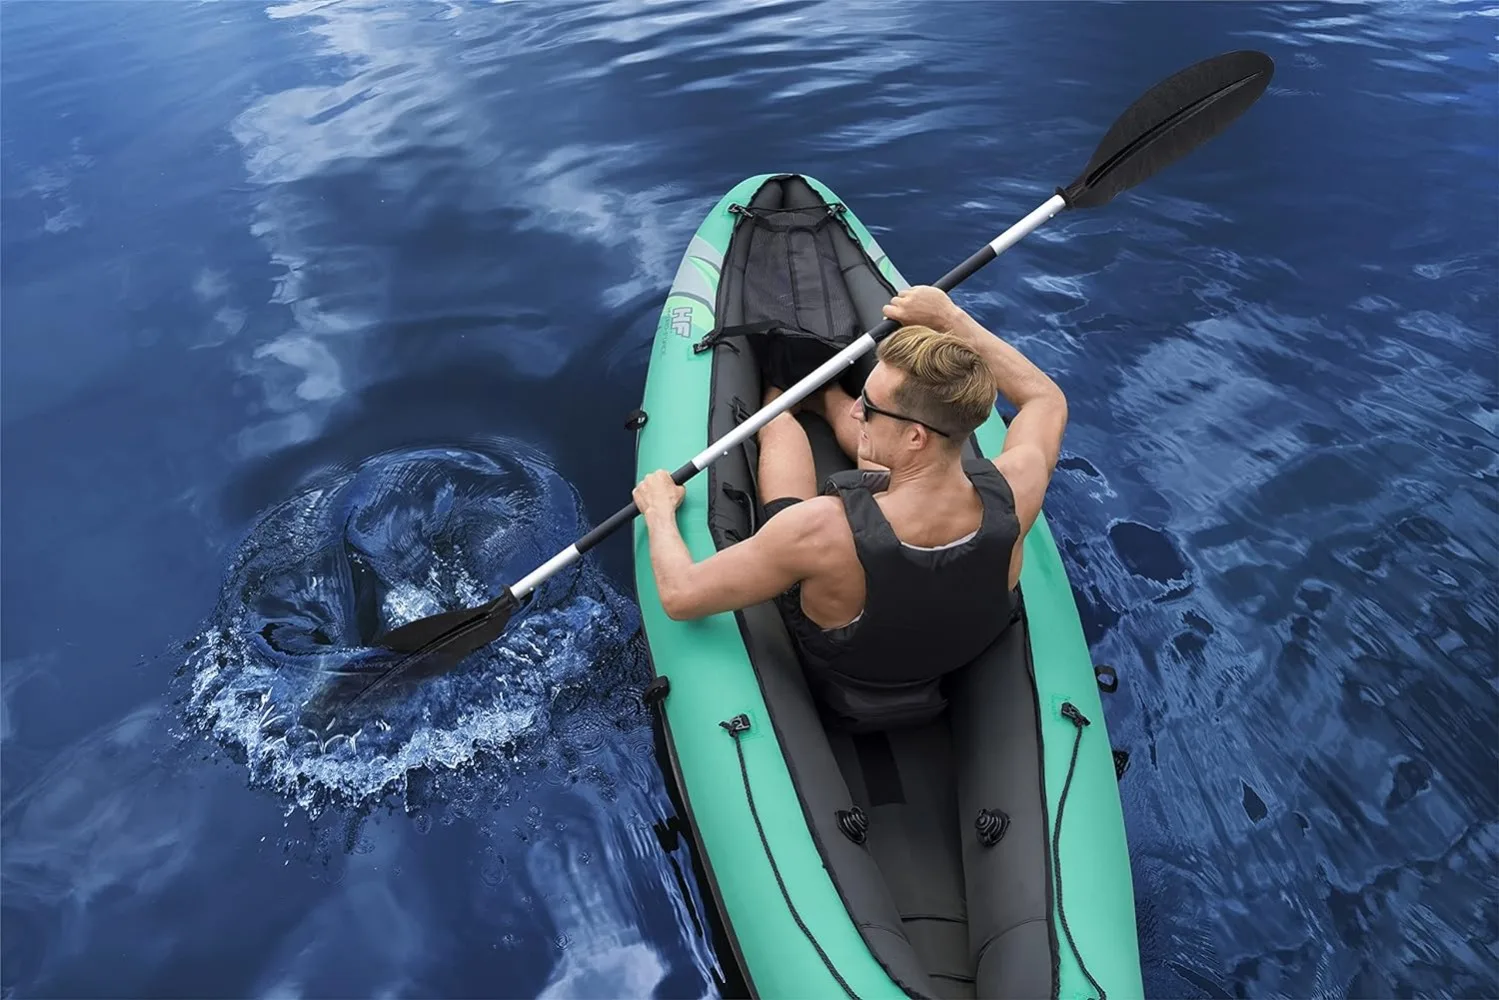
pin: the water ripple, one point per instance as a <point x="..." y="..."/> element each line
<point x="404" y="535"/>
<point x="357" y="227"/>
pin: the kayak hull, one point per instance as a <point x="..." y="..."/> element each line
<point x="801" y="907"/>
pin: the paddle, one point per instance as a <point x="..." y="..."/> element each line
<point x="1170" y="120"/>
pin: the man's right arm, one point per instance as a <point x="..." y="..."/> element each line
<point x="1034" y="439"/>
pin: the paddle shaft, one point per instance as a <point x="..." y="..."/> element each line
<point x="802" y="389"/>
<point x="1166" y="123"/>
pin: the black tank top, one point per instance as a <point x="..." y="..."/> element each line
<point x="926" y="612"/>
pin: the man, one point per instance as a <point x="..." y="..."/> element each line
<point x="904" y="570"/>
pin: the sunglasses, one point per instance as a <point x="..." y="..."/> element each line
<point x="868" y="407"/>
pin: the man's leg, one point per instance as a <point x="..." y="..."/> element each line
<point x="837" y="408"/>
<point x="787" y="471"/>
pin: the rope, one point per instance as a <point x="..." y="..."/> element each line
<point x="734" y="727"/>
<point x="1070" y="712"/>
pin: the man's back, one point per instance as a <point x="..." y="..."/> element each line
<point x="922" y="515"/>
<point x="923" y="610"/>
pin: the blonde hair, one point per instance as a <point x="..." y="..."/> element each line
<point x="946" y="383"/>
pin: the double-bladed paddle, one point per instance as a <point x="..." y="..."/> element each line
<point x="1169" y="121"/>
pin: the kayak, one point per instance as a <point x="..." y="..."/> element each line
<point x="982" y="854"/>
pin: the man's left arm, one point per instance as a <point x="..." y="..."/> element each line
<point x="746" y="573"/>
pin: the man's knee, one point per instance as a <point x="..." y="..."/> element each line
<point x="779" y="428"/>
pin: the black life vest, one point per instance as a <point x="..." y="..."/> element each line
<point x="926" y="612"/>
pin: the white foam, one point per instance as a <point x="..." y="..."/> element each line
<point x="250" y="695"/>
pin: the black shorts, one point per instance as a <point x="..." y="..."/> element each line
<point x="773" y="508"/>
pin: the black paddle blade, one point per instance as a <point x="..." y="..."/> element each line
<point x="1173" y="118"/>
<point x="416" y="635"/>
<point x="436" y="644"/>
<point x="442" y="640"/>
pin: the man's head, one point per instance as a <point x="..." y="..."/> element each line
<point x="923" y="399"/>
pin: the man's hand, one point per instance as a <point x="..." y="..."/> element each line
<point x="924" y="305"/>
<point x="657" y="495"/>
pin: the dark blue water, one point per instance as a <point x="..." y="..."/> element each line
<point x="305" y="303"/>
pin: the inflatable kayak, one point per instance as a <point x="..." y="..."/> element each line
<point x="982" y="854"/>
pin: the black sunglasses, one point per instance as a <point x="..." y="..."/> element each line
<point x="869" y="407"/>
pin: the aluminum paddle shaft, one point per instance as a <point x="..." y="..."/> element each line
<point x="801" y="390"/>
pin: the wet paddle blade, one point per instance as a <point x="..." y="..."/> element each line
<point x="438" y="643"/>
<point x="1172" y="118"/>
<point x="417" y="635"/>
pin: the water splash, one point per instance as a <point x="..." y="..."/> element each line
<point x="404" y="535"/>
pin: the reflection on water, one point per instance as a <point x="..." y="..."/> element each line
<point x="102" y="823"/>
<point x="269" y="269"/>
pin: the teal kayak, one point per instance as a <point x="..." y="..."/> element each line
<point x="983" y="854"/>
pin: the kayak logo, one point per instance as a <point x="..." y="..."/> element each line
<point x="681" y="321"/>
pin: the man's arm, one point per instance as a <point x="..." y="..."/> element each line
<point x="781" y="553"/>
<point x="1034" y="439"/>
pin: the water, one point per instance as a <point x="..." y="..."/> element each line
<point x="297" y="295"/>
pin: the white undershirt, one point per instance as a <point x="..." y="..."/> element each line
<point x="937" y="548"/>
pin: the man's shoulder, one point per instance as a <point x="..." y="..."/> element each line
<point x="813" y="515"/>
<point x="812" y="525"/>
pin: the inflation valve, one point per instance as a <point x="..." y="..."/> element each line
<point x="992" y="825"/>
<point x="853" y="823"/>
